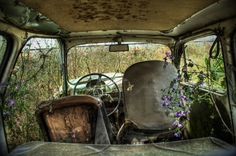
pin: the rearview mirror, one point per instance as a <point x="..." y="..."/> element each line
<point x="118" y="48"/>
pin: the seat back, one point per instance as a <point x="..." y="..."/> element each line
<point x="142" y="85"/>
<point x="69" y="119"/>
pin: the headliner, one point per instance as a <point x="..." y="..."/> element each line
<point x="93" y="15"/>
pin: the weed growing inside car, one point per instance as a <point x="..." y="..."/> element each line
<point x="177" y="104"/>
<point x="177" y="99"/>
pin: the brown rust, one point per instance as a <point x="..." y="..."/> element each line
<point x="71" y="124"/>
<point x="69" y="119"/>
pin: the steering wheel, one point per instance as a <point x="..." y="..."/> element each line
<point x="94" y="84"/>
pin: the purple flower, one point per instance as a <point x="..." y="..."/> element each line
<point x="180" y="125"/>
<point x="169" y="56"/>
<point x="183" y="98"/>
<point x="166" y="101"/>
<point x="175" y="123"/>
<point x="177" y="134"/>
<point x="181" y="114"/>
<point x="11" y="102"/>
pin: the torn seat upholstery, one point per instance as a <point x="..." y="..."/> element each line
<point x="74" y="119"/>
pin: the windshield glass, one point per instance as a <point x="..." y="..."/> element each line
<point x="96" y="58"/>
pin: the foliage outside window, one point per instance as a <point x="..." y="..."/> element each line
<point x="3" y="46"/>
<point x="96" y="58"/>
<point x="35" y="77"/>
<point x="202" y="66"/>
<point x="198" y="66"/>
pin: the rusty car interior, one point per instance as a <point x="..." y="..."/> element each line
<point x="106" y="88"/>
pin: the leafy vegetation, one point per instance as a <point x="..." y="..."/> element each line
<point x="35" y="77"/>
<point x="201" y="68"/>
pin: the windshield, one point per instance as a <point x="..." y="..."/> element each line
<point x="96" y="58"/>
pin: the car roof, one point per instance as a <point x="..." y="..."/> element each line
<point x="92" y="15"/>
<point x="86" y="17"/>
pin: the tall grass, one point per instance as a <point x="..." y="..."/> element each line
<point x="97" y="59"/>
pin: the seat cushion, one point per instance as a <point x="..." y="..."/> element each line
<point x="69" y="119"/>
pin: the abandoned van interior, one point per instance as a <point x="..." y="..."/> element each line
<point x="117" y="77"/>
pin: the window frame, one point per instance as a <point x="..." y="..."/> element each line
<point x="7" y="54"/>
<point x="3" y="64"/>
<point x="16" y="58"/>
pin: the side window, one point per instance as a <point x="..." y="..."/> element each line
<point x="3" y="47"/>
<point x="203" y="63"/>
<point x="36" y="77"/>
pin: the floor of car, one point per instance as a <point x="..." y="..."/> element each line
<point x="201" y="146"/>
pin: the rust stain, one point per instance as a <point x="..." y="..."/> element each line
<point x="102" y="10"/>
<point x="72" y="124"/>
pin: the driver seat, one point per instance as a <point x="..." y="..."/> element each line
<point x="74" y="119"/>
<point x="145" y="119"/>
